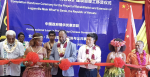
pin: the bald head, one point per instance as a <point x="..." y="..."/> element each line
<point x="62" y="36"/>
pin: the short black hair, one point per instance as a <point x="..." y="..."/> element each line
<point x="92" y="35"/>
<point x="21" y="33"/>
<point x="96" y="37"/>
<point x="51" y="32"/>
<point x="111" y="47"/>
<point x="63" y="31"/>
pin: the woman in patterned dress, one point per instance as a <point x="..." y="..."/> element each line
<point x="38" y="70"/>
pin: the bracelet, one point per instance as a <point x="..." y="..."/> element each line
<point x="45" y="58"/>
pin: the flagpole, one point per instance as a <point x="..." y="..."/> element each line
<point x="133" y="24"/>
<point x="130" y="37"/>
<point x="7" y="11"/>
<point x="2" y="14"/>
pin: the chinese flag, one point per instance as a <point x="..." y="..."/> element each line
<point x="130" y="37"/>
<point x="124" y="10"/>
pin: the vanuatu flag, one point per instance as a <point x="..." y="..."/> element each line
<point x="4" y="21"/>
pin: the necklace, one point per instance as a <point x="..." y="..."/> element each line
<point x="62" y="52"/>
<point x="37" y="51"/>
<point x="6" y="46"/>
<point x="87" y="53"/>
<point x="50" y="47"/>
<point x="144" y="58"/>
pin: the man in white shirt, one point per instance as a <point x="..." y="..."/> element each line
<point x="89" y="53"/>
<point x="10" y="48"/>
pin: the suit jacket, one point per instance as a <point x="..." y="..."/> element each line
<point x="70" y="54"/>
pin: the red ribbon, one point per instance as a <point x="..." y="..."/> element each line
<point x="49" y="61"/>
<point x="18" y="61"/>
<point x="2" y="62"/>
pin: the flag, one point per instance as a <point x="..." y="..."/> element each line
<point x="143" y="37"/>
<point x="124" y="10"/>
<point x="147" y="17"/>
<point x="130" y="37"/>
<point x="136" y="1"/>
<point x="4" y="21"/>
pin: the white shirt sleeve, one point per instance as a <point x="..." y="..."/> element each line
<point x="98" y="59"/>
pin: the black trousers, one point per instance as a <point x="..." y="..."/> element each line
<point x="22" y="70"/>
<point x="59" y="74"/>
<point x="148" y="73"/>
<point x="83" y="72"/>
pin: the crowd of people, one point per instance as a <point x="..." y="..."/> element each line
<point x="11" y="48"/>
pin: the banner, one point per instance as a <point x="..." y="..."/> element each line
<point x="77" y="17"/>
